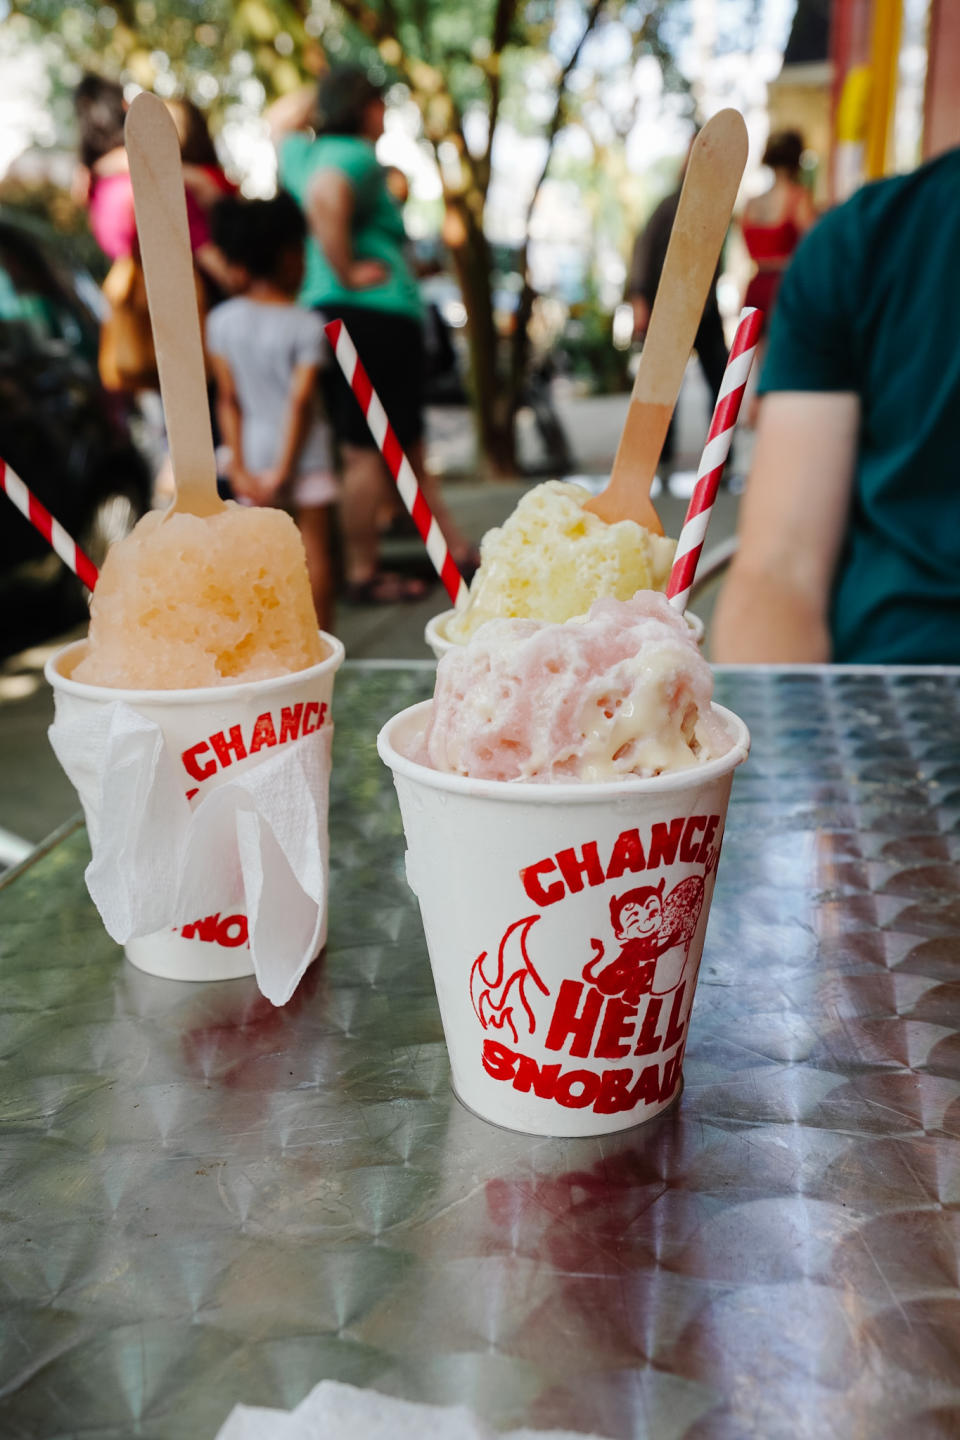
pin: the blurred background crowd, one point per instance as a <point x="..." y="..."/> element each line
<point x="496" y="187"/>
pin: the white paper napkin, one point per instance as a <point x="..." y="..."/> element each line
<point x="340" y="1412"/>
<point x="156" y="863"/>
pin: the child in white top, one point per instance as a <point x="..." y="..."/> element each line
<point x="266" y="354"/>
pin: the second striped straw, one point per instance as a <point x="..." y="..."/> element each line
<point x="396" y="461"/>
<point x="51" y="529"/>
<point x="715" y="452"/>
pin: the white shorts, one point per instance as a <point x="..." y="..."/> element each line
<point x="318" y="487"/>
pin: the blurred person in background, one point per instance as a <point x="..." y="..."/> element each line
<point x="643" y="280"/>
<point x="102" y="181"/>
<point x="127" y="362"/>
<point x="774" y="223"/>
<point x="357" y="270"/>
<point x="850" y="525"/>
<point x="205" y="182"/>
<point x="266" y="353"/>
<point x="102" y="177"/>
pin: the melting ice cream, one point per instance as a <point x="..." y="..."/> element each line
<point x="620" y="691"/>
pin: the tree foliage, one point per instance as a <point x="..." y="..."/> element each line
<point x="469" y="66"/>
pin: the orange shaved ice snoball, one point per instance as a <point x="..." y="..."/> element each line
<point x="185" y="602"/>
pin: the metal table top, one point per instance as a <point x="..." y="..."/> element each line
<point x="207" y="1200"/>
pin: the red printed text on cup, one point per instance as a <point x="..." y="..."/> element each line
<point x="626" y="1008"/>
<point x="219" y="750"/>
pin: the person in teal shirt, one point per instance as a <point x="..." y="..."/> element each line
<point x="357" y="271"/>
<point x="850" y="525"/>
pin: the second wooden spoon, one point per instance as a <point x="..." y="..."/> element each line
<point x="710" y="186"/>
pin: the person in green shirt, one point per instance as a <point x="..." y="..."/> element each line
<point x="850" y="524"/>
<point x="357" y="271"/>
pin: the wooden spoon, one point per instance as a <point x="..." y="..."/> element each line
<point x="710" y="185"/>
<point x="160" y="203"/>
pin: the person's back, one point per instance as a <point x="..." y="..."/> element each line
<point x="650" y="252"/>
<point x="376" y="224"/>
<point x="357" y="272"/>
<point x="266" y="354"/>
<point x="773" y="223"/>
<point x="264" y="343"/>
<point x="854" y="485"/>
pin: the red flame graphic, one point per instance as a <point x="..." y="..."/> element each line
<point x="494" y="998"/>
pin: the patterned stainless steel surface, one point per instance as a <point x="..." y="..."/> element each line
<point x="206" y="1200"/>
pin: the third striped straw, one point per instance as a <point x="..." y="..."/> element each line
<point x="51" y="530"/>
<point x="397" y="463"/>
<point x="715" y="453"/>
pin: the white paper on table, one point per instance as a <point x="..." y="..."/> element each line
<point x="157" y="862"/>
<point x="341" y="1412"/>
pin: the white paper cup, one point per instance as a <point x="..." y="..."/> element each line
<point x="435" y="631"/>
<point x="211" y="730"/>
<point x="565" y="925"/>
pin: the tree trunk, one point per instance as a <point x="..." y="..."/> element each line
<point x="493" y="407"/>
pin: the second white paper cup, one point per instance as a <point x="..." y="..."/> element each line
<point x="565" y="925"/>
<point x="201" y="727"/>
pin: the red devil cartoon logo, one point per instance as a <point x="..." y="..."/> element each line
<point x="647" y="924"/>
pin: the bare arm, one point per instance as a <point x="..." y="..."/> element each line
<point x="638" y="293"/>
<point x="230" y="420"/>
<point x="806" y="212"/>
<point x="202" y="186"/>
<point x="773" y="607"/>
<point x="330" y="204"/>
<point x="80" y="185"/>
<point x="641" y="316"/>
<point x="301" y="413"/>
<point x="210" y="259"/>
<point x="291" y="112"/>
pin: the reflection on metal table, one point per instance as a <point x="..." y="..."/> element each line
<point x="207" y="1200"/>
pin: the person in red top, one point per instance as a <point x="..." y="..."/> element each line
<point x="205" y="183"/>
<point x="774" y="223"/>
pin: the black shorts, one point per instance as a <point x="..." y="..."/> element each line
<point x="390" y="348"/>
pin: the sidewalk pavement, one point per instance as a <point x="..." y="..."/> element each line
<point x="35" y="797"/>
<point x="593" y="424"/>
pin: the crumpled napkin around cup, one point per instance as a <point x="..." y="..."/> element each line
<point x="340" y="1412"/>
<point x="158" y="863"/>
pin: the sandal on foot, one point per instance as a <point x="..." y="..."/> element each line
<point x="386" y="588"/>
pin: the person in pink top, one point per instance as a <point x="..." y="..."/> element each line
<point x="103" y="177"/>
<point x="102" y="181"/>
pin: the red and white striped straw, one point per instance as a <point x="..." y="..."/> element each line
<point x="715" y="452"/>
<point x="51" y="530"/>
<point x="397" y="463"/>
